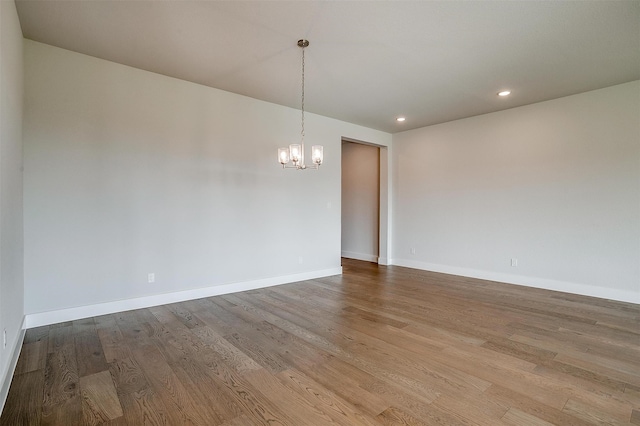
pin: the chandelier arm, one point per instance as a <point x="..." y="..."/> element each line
<point x="301" y="166"/>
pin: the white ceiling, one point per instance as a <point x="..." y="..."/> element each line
<point x="368" y="61"/>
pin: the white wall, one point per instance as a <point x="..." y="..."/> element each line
<point x="555" y="185"/>
<point x="360" y="201"/>
<point x="129" y="172"/>
<point x="11" y="240"/>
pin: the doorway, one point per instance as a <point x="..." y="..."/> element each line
<point x="361" y="180"/>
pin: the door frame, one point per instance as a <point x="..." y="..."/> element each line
<point x="384" y="197"/>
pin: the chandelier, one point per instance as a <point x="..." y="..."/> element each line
<point x="293" y="157"/>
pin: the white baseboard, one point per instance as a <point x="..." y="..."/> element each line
<point x="13" y="362"/>
<point x="70" y="314"/>
<point x="360" y="256"/>
<point x="563" y="286"/>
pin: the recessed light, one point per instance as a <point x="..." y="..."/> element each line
<point x="400" y="119"/>
<point x="504" y="93"/>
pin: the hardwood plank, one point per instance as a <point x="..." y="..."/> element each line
<point x="276" y="309"/>
<point x="162" y="313"/>
<point x="168" y="387"/>
<point x="589" y="407"/>
<point x="566" y="342"/>
<point x="519" y="350"/>
<point x="241" y="420"/>
<point x="113" y="343"/>
<point x="128" y="376"/>
<point x="395" y="416"/>
<point x="61" y="376"/>
<point x="471" y="407"/>
<point x="291" y="407"/>
<point x="329" y="403"/>
<point x="531" y="406"/>
<point x="259" y="350"/>
<point x="184" y="315"/>
<point x="32" y="357"/>
<point x="632" y="393"/>
<point x="67" y="412"/>
<point x="410" y="349"/>
<point x="516" y="417"/>
<point x="144" y="407"/>
<point x="105" y="321"/>
<point x="189" y="357"/>
<point x="24" y="402"/>
<point x="373" y="317"/>
<point x="257" y="407"/>
<point x="89" y="355"/>
<point x="231" y="389"/>
<point x="349" y="383"/>
<point x="100" y="401"/>
<point x="36" y="334"/>
<point x="583" y="379"/>
<point x="213" y="404"/>
<point x="233" y="356"/>
<point x="295" y="343"/>
<point x="629" y="375"/>
<point x="59" y="337"/>
<point x="414" y="406"/>
<point x="209" y="318"/>
<point x="595" y="415"/>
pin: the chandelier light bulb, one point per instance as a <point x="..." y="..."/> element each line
<point x="283" y="155"/>
<point x="316" y="154"/>
<point x="295" y="151"/>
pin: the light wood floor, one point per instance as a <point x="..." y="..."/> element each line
<point x="375" y="346"/>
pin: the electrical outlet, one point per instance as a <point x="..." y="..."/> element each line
<point x="151" y="277"/>
<point x="300" y="260"/>
<point x="412" y="250"/>
<point x="4" y="338"/>
<point x="514" y="262"/>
